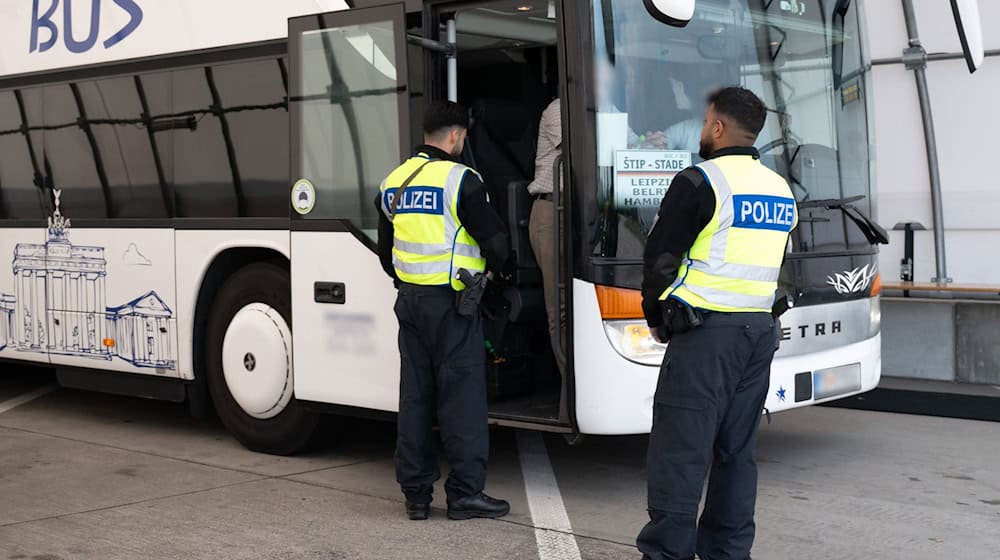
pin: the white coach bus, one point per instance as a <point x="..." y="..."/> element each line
<point x="186" y="194"/>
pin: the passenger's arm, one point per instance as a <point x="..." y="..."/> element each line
<point x="482" y="221"/>
<point x="685" y="210"/>
<point x="552" y="124"/>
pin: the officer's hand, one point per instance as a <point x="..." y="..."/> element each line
<point x="656" y="139"/>
<point x="506" y="272"/>
<point x="659" y="334"/>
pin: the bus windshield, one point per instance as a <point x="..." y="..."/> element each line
<point x="802" y="57"/>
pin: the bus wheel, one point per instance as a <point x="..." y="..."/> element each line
<point x="249" y="362"/>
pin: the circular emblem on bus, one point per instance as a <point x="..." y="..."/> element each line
<point x="303" y="196"/>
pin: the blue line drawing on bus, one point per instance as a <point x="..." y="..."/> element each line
<point x="6" y="320"/>
<point x="134" y="257"/>
<point x="141" y="329"/>
<point x="59" y="306"/>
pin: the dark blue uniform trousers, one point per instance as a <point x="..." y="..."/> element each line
<point x="706" y="414"/>
<point x="442" y="374"/>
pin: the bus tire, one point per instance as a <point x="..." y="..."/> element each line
<point x="248" y="333"/>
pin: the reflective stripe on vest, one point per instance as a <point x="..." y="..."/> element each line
<point x="429" y="242"/>
<point x="735" y="262"/>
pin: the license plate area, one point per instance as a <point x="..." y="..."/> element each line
<point x="836" y="381"/>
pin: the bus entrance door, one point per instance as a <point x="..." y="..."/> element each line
<point x="349" y="127"/>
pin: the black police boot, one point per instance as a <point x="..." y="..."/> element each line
<point x="418" y="512"/>
<point x="477" y="505"/>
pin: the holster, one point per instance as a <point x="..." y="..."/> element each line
<point x="467" y="301"/>
<point x="782" y="303"/>
<point x="679" y="318"/>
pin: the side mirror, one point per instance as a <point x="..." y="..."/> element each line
<point x="970" y="31"/>
<point x="671" y="12"/>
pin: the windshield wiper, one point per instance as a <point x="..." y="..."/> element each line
<point x="874" y="233"/>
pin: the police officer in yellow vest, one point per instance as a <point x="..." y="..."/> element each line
<point x="435" y="219"/>
<point x="711" y="269"/>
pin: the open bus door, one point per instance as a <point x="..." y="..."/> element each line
<point x="349" y="126"/>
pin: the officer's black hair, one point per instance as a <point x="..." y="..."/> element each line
<point x="444" y="114"/>
<point x="742" y="106"/>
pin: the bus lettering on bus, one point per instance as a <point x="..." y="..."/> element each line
<point x="44" y="19"/>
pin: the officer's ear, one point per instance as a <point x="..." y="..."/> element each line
<point x="714" y="125"/>
<point x="718" y="128"/>
<point x="456" y="139"/>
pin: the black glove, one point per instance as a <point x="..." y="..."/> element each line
<point x="661" y="334"/>
<point x="506" y="272"/>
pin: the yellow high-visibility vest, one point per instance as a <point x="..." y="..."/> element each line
<point x="430" y="244"/>
<point x="734" y="263"/>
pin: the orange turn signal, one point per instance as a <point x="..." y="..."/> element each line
<point x="109" y="342"/>
<point x="876" y="285"/>
<point x="619" y="303"/>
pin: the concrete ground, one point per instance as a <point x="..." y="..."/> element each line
<point x="89" y="476"/>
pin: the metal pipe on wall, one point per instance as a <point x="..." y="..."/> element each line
<point x="915" y="58"/>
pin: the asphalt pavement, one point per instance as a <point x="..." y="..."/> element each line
<point x="91" y="476"/>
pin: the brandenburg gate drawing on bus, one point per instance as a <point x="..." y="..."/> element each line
<point x="59" y="306"/>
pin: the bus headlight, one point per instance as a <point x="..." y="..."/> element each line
<point x="875" y="317"/>
<point x="634" y="342"/>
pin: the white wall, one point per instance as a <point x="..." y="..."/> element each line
<point x="966" y="116"/>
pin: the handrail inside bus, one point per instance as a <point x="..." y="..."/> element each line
<point x="557" y="281"/>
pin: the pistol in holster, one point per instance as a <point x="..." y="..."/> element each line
<point x="782" y="303"/>
<point x="467" y="301"/>
<point x="679" y="317"/>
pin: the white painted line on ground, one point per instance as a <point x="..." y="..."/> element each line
<point x="17" y="401"/>
<point x="553" y="532"/>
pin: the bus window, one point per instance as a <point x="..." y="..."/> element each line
<point x="253" y="96"/>
<point x="137" y="168"/>
<point x="651" y="82"/>
<point x="349" y="119"/>
<point x="71" y="161"/>
<point x="234" y="161"/>
<point x="204" y="180"/>
<point x="19" y="196"/>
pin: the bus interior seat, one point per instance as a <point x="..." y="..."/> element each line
<point x="502" y="137"/>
